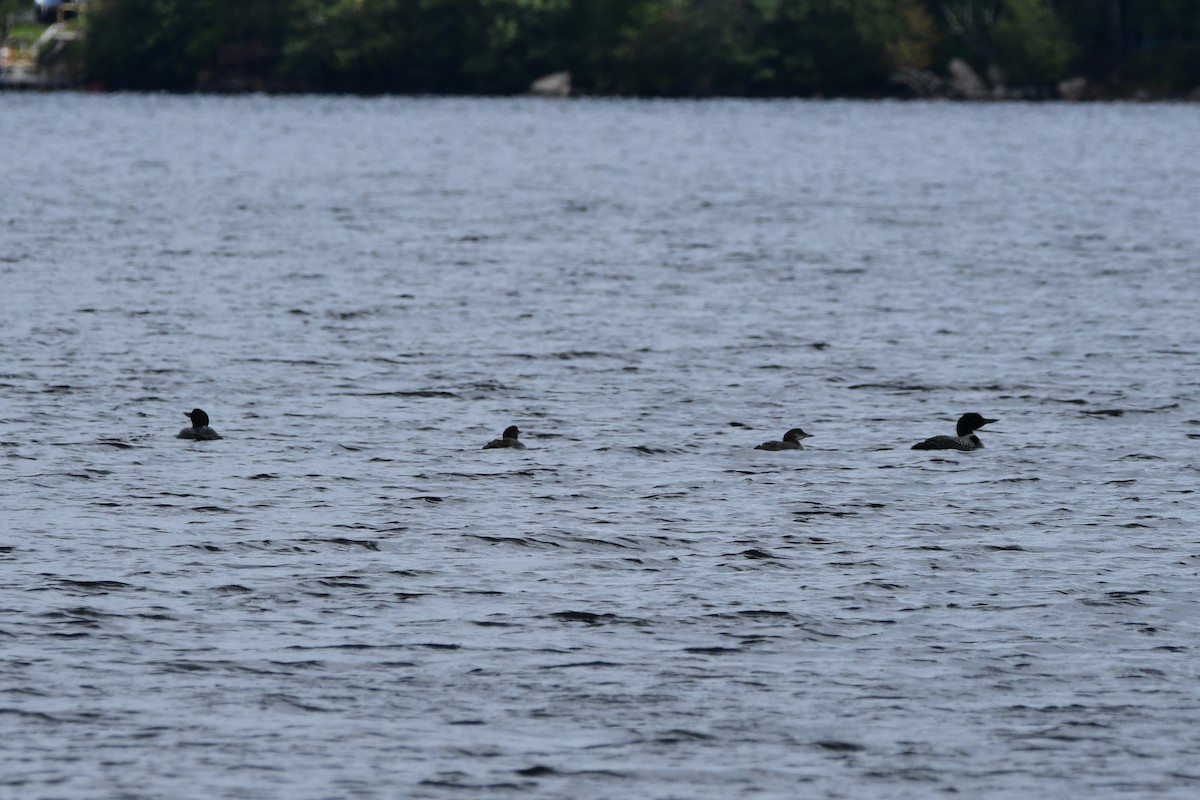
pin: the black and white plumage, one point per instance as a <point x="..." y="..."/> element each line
<point x="966" y="438"/>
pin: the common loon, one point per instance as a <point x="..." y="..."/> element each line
<point x="199" y="429"/>
<point x="966" y="439"/>
<point x="791" y="441"/>
<point x="507" y="439"/>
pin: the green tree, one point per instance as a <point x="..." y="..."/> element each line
<point x="482" y="46"/>
<point x="649" y="47"/>
<point x="320" y="43"/>
<point x="169" y="44"/>
<point x="8" y="8"/>
<point x="695" y="48"/>
<point x="1163" y="45"/>
<point x="143" y="44"/>
<point x="915" y="43"/>
<point x="1152" y="43"/>
<point x="970" y="22"/>
<point x="837" y="47"/>
<point x="593" y="38"/>
<point x="1030" y="44"/>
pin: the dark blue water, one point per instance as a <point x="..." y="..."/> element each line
<point x="347" y="597"/>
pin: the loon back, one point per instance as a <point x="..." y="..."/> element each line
<point x="964" y="443"/>
<point x="494" y="443"/>
<point x="203" y="434"/>
<point x="779" y="446"/>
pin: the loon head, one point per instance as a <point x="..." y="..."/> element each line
<point x="511" y="432"/>
<point x="795" y="435"/>
<point x="969" y="423"/>
<point x="198" y="417"/>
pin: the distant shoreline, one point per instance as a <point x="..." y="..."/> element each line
<point x="19" y="85"/>
<point x="1018" y="50"/>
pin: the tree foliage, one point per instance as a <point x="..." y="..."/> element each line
<point x="638" y="47"/>
<point x="1031" y="45"/>
<point x="8" y="10"/>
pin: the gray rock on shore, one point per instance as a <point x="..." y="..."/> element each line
<point x="966" y="83"/>
<point x="556" y="84"/>
<point x="1073" y="89"/>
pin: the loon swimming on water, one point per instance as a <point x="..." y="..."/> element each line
<point x="791" y="441"/>
<point x="507" y="439"/>
<point x="199" y="429"/>
<point x="965" y="440"/>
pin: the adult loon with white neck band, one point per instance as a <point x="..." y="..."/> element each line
<point x="199" y="429"/>
<point x="791" y="441"/>
<point x="966" y="438"/>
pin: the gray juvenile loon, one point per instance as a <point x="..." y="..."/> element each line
<point x="965" y="440"/>
<point x="507" y="439"/>
<point x="791" y="441"/>
<point x="199" y="429"/>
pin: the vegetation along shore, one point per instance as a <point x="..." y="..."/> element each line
<point x="965" y="49"/>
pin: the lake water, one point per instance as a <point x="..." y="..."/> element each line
<point x="346" y="597"/>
